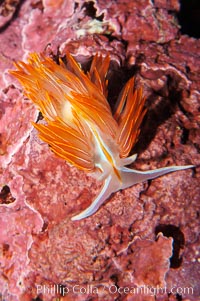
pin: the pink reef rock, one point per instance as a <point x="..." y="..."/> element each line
<point x="144" y="242"/>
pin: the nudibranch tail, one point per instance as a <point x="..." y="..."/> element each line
<point x="80" y="126"/>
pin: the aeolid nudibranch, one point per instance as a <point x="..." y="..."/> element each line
<point x="81" y="128"/>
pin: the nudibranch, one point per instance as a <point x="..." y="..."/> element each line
<point x="80" y="126"/>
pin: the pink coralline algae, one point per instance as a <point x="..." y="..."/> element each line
<point x="143" y="244"/>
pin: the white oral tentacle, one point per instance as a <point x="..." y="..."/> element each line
<point x="129" y="178"/>
<point x="100" y="199"/>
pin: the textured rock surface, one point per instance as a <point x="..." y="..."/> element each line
<point x="118" y="253"/>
